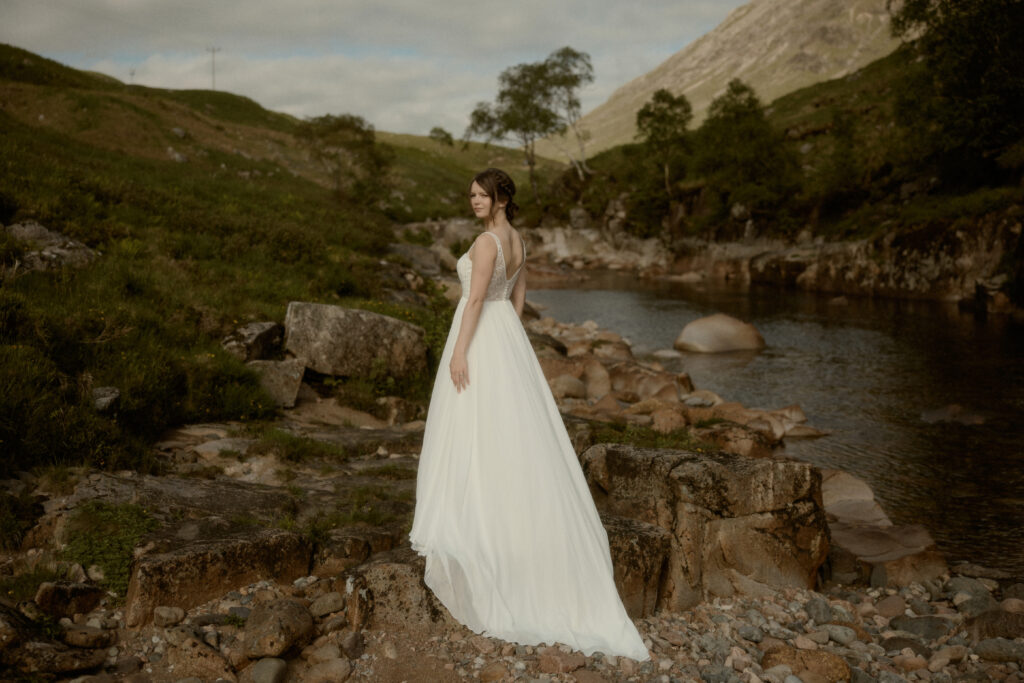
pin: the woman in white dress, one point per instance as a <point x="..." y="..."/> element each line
<point x="513" y="543"/>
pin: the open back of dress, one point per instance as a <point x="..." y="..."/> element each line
<point x="513" y="543"/>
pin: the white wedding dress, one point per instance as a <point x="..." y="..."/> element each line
<point x="513" y="543"/>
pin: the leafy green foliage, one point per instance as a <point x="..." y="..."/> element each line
<point x="441" y="136"/>
<point x="535" y="100"/>
<point x="347" y="147"/>
<point x="971" y="94"/>
<point x="741" y="156"/>
<point x="662" y="124"/>
<point x="106" y="534"/>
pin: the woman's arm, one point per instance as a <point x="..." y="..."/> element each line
<point x="483" y="256"/>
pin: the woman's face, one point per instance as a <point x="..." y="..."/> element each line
<point x="480" y="201"/>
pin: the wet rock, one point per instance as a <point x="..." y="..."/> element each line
<point x="281" y="379"/>
<point x="735" y="438"/>
<point x="275" y="627"/>
<point x="718" y="333"/>
<point x="254" y="341"/>
<point x="639" y="552"/>
<point x="353" y="343"/>
<point x="65" y="598"/>
<point x="736" y="522"/>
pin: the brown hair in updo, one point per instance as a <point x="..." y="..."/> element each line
<point x="500" y="188"/>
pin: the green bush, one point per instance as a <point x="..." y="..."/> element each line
<point x="106" y="534"/>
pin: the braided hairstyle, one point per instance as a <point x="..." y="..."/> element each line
<point x="500" y="188"/>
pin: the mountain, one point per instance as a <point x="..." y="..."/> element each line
<point x="775" y="46"/>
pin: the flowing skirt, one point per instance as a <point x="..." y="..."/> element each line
<point x="513" y="543"/>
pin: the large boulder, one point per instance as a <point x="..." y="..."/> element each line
<point x="717" y="333"/>
<point x="186" y="574"/>
<point x="388" y="592"/>
<point x="49" y="250"/>
<point x="281" y="379"/>
<point x="735" y="522"/>
<point x="353" y="343"/>
<point x="639" y="552"/>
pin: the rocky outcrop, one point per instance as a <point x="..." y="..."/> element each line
<point x="255" y="341"/>
<point x="592" y="248"/>
<point x="719" y="333"/>
<point x="736" y="523"/>
<point x="189" y="573"/>
<point x="934" y="261"/>
<point x="49" y="250"/>
<point x="353" y="343"/>
<point x="639" y="555"/>
<point x="867" y="545"/>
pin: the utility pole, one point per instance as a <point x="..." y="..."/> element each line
<point x="213" y="66"/>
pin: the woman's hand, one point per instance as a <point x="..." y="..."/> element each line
<point x="460" y="371"/>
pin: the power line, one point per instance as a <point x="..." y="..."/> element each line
<point x="213" y="66"/>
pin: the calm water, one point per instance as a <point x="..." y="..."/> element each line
<point x="870" y="373"/>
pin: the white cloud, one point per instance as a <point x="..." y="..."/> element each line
<point x="405" y="65"/>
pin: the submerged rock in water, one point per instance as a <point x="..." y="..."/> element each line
<point x="719" y="333"/>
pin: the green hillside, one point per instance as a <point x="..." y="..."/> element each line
<point x="207" y="213"/>
<point x="858" y="170"/>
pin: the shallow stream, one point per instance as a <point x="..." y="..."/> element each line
<point x="879" y="374"/>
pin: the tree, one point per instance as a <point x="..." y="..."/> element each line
<point x="567" y="71"/>
<point x="741" y="156"/>
<point x="346" y="146"/>
<point x="523" y="112"/>
<point x="662" y="124"/>
<point x="973" y="79"/>
<point x="441" y="136"/>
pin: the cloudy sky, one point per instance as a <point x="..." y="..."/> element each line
<point x="404" y="65"/>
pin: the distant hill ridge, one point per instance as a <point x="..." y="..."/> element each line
<point x="776" y="46"/>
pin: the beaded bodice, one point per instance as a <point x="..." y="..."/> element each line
<point x="500" y="286"/>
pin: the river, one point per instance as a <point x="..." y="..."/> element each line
<point x="877" y="374"/>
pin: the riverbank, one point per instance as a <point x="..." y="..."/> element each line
<point x="945" y="263"/>
<point x="279" y="549"/>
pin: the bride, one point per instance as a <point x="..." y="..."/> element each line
<point x="513" y="543"/>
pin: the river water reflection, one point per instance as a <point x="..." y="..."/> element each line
<point x="876" y="373"/>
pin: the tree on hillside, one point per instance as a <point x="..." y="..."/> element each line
<point x="346" y="145"/>
<point x="568" y="71"/>
<point x="441" y="136"/>
<point x="661" y="124"/>
<point x="523" y="112"/>
<point x="741" y="156"/>
<point x="970" y="96"/>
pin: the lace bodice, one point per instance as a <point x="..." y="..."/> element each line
<point x="500" y="286"/>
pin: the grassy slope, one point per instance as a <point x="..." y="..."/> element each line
<point x="189" y="251"/>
